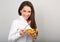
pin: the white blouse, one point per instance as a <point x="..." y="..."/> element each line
<point x="14" y="35"/>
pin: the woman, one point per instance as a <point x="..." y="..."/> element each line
<point x="25" y="21"/>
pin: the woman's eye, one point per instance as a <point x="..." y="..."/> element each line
<point x="29" y="11"/>
<point x="24" y="10"/>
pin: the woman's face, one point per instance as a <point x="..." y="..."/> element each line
<point x="26" y="12"/>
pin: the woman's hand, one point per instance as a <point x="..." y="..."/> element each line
<point x="22" y="32"/>
<point x="35" y="35"/>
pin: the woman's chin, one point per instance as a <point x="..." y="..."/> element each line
<point x="26" y="18"/>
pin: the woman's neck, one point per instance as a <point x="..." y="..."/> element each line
<point x="29" y="21"/>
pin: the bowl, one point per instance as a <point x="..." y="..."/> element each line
<point x="31" y="31"/>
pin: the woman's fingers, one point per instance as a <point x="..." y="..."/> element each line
<point x="33" y="36"/>
<point x="22" y="32"/>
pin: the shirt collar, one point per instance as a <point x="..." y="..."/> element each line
<point x="24" y="21"/>
<point x="22" y="18"/>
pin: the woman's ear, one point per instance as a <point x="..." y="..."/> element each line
<point x="20" y="11"/>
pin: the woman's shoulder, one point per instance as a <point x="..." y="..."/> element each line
<point x="16" y="21"/>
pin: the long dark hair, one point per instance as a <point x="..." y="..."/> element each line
<point x="32" y="16"/>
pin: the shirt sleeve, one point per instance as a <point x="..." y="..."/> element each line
<point x="14" y="31"/>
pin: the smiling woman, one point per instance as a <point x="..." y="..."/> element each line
<point x="26" y="12"/>
<point x="28" y="5"/>
<point x="27" y="18"/>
